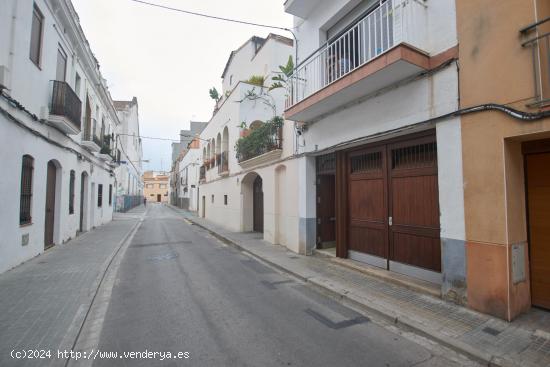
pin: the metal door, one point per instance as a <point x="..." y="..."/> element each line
<point x="50" y="205"/>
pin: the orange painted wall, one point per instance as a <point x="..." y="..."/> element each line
<point x="495" y="68"/>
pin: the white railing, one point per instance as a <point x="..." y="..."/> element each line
<point x="392" y="23"/>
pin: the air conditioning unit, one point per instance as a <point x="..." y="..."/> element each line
<point x="4" y="77"/>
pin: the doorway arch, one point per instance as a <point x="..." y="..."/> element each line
<point x="252" y="203"/>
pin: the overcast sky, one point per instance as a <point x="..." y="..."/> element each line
<point x="169" y="60"/>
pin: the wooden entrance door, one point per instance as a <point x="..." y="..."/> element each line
<point x="50" y="205"/>
<point x="326" y="211"/>
<point x="393" y="206"/>
<point x="258" y="205"/>
<point x="82" y="198"/>
<point x="159" y="198"/>
<point x="414" y="204"/>
<point x="538" y="202"/>
<point x="367" y="203"/>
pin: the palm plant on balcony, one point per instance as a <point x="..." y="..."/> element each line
<point x="262" y="139"/>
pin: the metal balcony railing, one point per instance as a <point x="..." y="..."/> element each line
<point x="391" y="23"/>
<point x="539" y="41"/>
<point x="65" y="102"/>
<point x="91" y="131"/>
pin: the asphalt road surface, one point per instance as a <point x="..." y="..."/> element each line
<point x="178" y="289"/>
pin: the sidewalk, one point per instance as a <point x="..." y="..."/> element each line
<point x="43" y="302"/>
<point x="524" y="342"/>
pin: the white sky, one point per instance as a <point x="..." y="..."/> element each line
<point x="170" y="60"/>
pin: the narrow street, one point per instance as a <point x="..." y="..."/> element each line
<point x="179" y="289"/>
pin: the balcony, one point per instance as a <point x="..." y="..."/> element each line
<point x="381" y="49"/>
<point x="263" y="144"/>
<point x="90" y="137"/>
<point x="65" y="108"/>
<point x="538" y="39"/>
<point x="300" y="8"/>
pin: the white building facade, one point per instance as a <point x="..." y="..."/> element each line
<point x="253" y="189"/>
<point x="382" y="171"/>
<point x="57" y="122"/>
<point x="186" y="177"/>
<point x="129" y="154"/>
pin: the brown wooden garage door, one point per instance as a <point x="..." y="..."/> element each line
<point x="393" y="203"/>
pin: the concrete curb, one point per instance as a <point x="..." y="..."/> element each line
<point x="371" y="307"/>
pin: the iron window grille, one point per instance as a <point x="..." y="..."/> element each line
<point x="26" y="190"/>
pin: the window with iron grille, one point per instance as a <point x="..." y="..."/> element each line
<point x="99" y="195"/>
<point x="71" y="193"/>
<point x="110" y="195"/>
<point x="416" y="156"/>
<point x="37" y="29"/>
<point x="367" y="162"/>
<point x="26" y="190"/>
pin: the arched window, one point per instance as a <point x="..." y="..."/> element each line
<point x="71" y="193"/>
<point x="26" y="190"/>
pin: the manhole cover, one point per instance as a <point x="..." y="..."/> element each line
<point x="167" y="256"/>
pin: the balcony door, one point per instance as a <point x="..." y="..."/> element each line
<point x="61" y="69"/>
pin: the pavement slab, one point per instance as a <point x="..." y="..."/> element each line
<point x="44" y="301"/>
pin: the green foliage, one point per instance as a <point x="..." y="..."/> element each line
<point x="261" y="140"/>
<point x="258" y="80"/>
<point x="214" y="94"/>
<point x="280" y="81"/>
<point x="242" y="125"/>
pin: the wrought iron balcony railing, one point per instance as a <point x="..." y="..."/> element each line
<point x="66" y="103"/>
<point x="391" y="23"/>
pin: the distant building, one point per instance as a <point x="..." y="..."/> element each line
<point x="185" y="177"/>
<point x="156" y="186"/>
<point x="186" y="137"/>
<point x="129" y="152"/>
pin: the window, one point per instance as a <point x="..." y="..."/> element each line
<point x="99" y="195"/>
<point x="71" y="193"/>
<point x="37" y="28"/>
<point x="61" y="64"/>
<point x="231" y="80"/>
<point x="77" y="82"/>
<point x="110" y="195"/>
<point x="152" y="195"/>
<point x="26" y="190"/>
<point x="225" y="200"/>
<point x="212" y="199"/>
